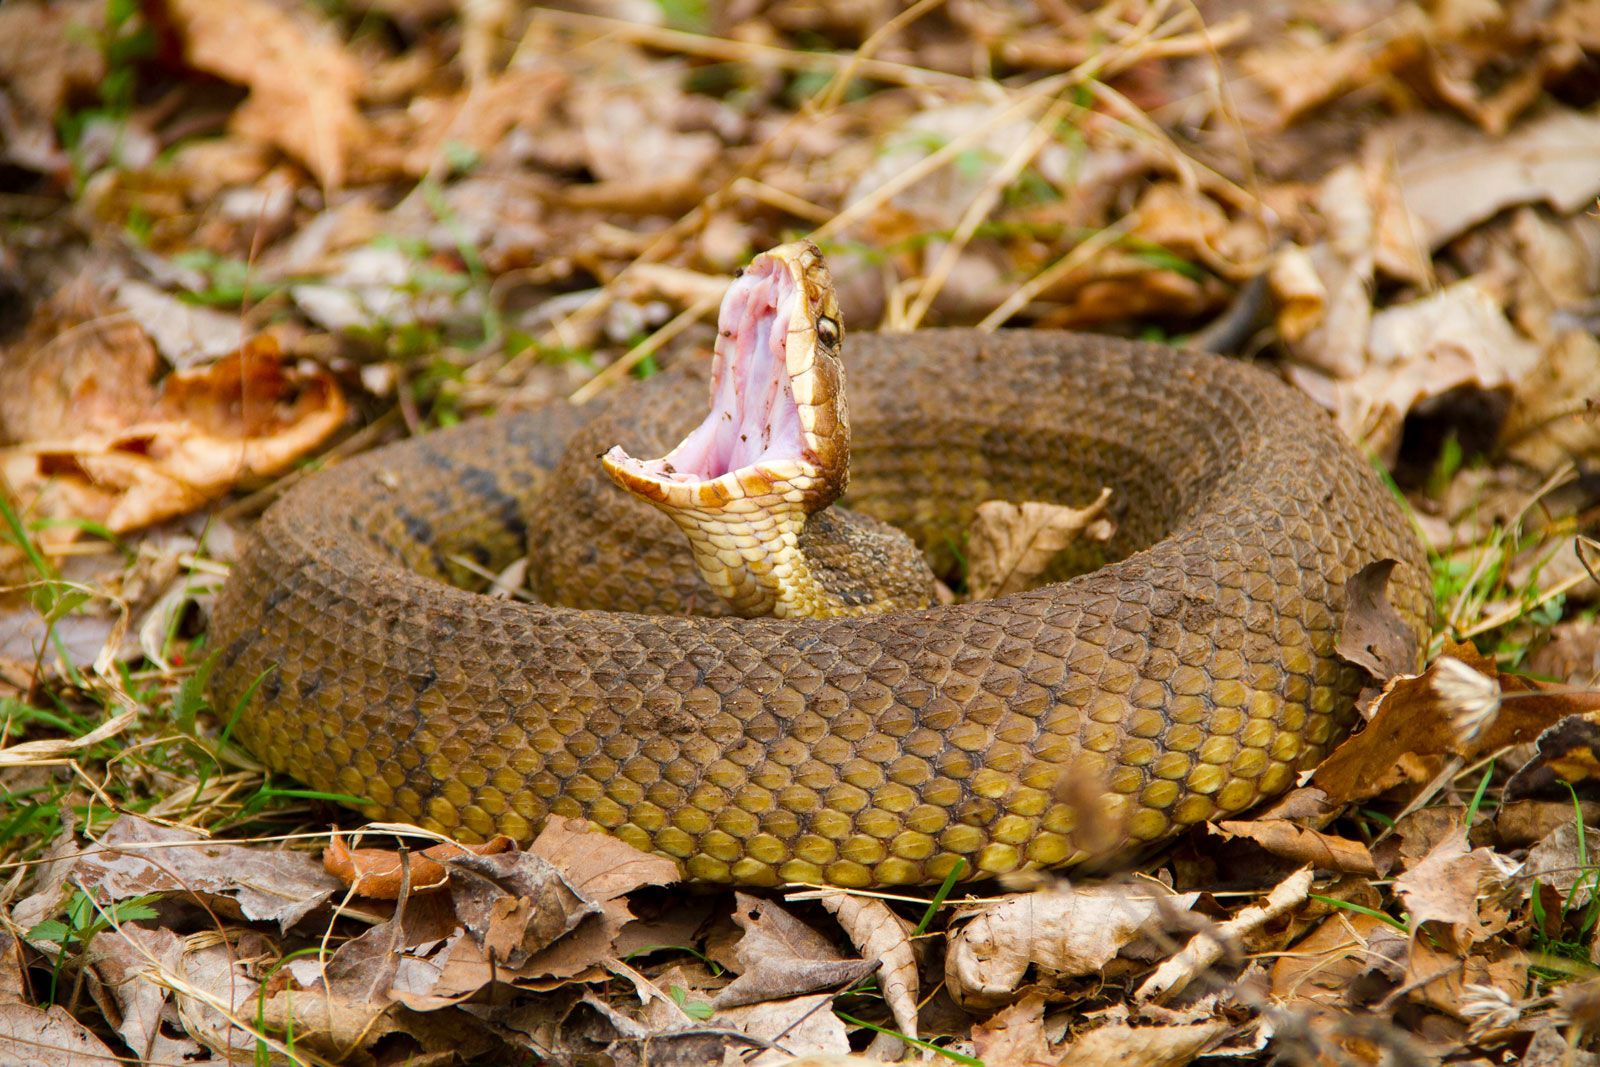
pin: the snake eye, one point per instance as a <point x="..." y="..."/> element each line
<point x="828" y="332"/>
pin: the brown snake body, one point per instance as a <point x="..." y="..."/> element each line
<point x="1186" y="680"/>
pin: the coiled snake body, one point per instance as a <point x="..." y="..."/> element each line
<point x="1188" y="679"/>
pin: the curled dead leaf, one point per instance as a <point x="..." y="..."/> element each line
<point x="1207" y="947"/>
<point x="1143" y="1046"/>
<point x="135" y="858"/>
<point x="377" y="872"/>
<point x="248" y="414"/>
<point x="782" y="956"/>
<point x="879" y="934"/>
<point x="1299" y="844"/>
<point x="1413" y="717"/>
<point x="1068" y="930"/>
<point x="1013" y="544"/>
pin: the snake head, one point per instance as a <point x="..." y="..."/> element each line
<point x="773" y="452"/>
<point x="778" y="433"/>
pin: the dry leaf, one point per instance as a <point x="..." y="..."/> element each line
<point x="1568" y="754"/>
<point x="186" y="335"/>
<point x="515" y="903"/>
<point x="1329" y="318"/>
<point x="1415" y="717"/>
<point x="1300" y="69"/>
<point x="1014" y="1036"/>
<point x="879" y="934"/>
<point x="1324" y="966"/>
<point x="123" y="960"/>
<point x="303" y="83"/>
<point x="1453" y="176"/>
<point x="782" y="956"/>
<point x="1011" y="545"/>
<point x="799" y="1027"/>
<point x="36" y="1037"/>
<point x="1457" y="337"/>
<point x="13" y="985"/>
<point x="48" y="52"/>
<point x="1555" y="410"/>
<point x="1446" y="886"/>
<point x="216" y="986"/>
<point x="1571" y="655"/>
<point x="1298" y="844"/>
<point x="135" y="857"/>
<point x="1207" y="947"/>
<point x="1372" y="635"/>
<point x="1142" y="1046"/>
<point x="1068" y="930"/>
<point x="1561" y="860"/>
<point x="248" y="414"/>
<point x="377" y="872"/>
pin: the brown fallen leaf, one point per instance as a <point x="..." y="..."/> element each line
<point x="1299" y="844"/>
<point x="879" y="934"/>
<point x="1455" y="338"/>
<point x="1451" y="709"/>
<point x="83" y="365"/>
<point x="1372" y="634"/>
<point x="216" y="990"/>
<point x="37" y="1037"/>
<point x="123" y="960"/>
<point x="1324" y="292"/>
<point x="798" y="1027"/>
<point x="515" y="903"/>
<point x="1453" y="176"/>
<point x="782" y="956"/>
<point x="1010" y="545"/>
<point x="1014" y="1036"/>
<point x="1561" y="860"/>
<point x="13" y="985"/>
<point x="134" y="858"/>
<point x="376" y="872"/>
<point x="1142" y="1046"/>
<point x="1300" y="70"/>
<point x="1524" y="823"/>
<point x="303" y="82"/>
<point x="1555" y="410"/>
<point x="1067" y="930"/>
<point x="1325" y="966"/>
<point x="1447" y="885"/>
<point x="1568" y="753"/>
<point x="186" y="335"/>
<point x="251" y="413"/>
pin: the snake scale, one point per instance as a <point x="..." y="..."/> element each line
<point x="1186" y="679"/>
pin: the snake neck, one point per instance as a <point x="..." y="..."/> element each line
<point x="752" y="560"/>
<point x="780" y="562"/>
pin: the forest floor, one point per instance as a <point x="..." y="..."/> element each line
<point x="245" y="239"/>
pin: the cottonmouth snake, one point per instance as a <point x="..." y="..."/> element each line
<point x="1186" y="680"/>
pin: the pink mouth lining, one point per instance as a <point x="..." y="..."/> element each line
<point x="754" y="418"/>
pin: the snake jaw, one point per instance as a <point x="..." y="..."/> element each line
<point x="778" y="430"/>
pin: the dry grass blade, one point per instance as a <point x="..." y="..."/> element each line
<point x="52" y="752"/>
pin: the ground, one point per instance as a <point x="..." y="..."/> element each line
<point x="245" y="239"/>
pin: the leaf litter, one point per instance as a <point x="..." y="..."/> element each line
<point x="249" y="237"/>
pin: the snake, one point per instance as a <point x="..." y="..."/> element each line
<point x="669" y="691"/>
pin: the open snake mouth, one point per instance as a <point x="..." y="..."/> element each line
<point x="766" y="392"/>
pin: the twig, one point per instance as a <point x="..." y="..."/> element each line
<point x="1207" y="946"/>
